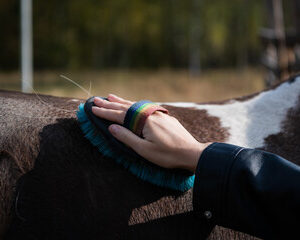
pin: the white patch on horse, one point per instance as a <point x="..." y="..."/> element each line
<point x="74" y="100"/>
<point x="251" y="121"/>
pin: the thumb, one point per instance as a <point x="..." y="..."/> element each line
<point x="126" y="136"/>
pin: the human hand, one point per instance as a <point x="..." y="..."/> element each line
<point x="166" y="142"/>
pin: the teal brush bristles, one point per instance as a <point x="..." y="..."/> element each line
<point x="170" y="178"/>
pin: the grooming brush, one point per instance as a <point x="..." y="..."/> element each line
<point x="95" y="129"/>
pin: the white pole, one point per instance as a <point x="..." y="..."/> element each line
<point x="26" y="45"/>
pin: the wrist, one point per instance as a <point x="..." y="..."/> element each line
<point x="196" y="154"/>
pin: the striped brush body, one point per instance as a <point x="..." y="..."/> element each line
<point x="95" y="129"/>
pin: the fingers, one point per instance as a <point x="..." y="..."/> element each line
<point x="114" y="110"/>
<point x="139" y="145"/>
<point x="114" y="98"/>
<point x="110" y="105"/>
<point x="110" y="114"/>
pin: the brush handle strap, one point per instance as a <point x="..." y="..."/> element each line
<point x="138" y="113"/>
<point x="131" y="111"/>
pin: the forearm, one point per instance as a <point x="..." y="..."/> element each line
<point x="248" y="190"/>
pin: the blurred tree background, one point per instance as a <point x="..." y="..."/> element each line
<point x="136" y="34"/>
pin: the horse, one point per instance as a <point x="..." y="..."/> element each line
<point x="55" y="185"/>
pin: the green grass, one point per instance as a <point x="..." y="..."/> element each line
<point x="161" y="85"/>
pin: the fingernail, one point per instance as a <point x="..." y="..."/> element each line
<point x="97" y="100"/>
<point x="114" y="129"/>
<point x="112" y="95"/>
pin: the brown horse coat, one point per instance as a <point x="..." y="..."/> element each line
<point x="70" y="191"/>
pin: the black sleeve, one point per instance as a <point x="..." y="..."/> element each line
<point x="248" y="190"/>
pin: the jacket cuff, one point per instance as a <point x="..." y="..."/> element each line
<point x="211" y="179"/>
